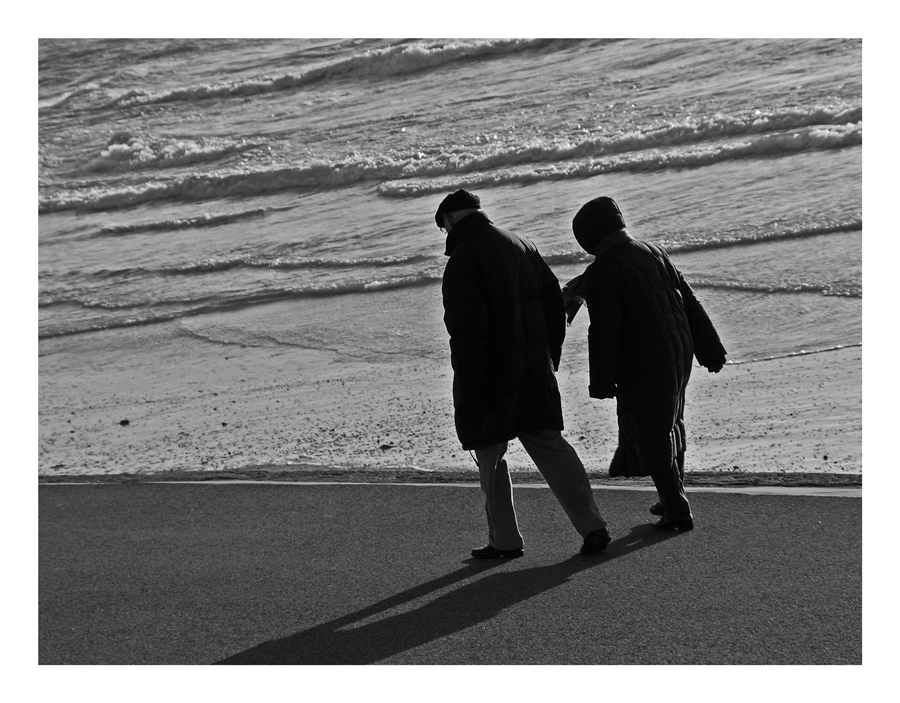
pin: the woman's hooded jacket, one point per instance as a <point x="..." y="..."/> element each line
<point x="646" y="324"/>
<point x="503" y="310"/>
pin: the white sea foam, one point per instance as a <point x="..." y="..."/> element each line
<point x="204" y="220"/>
<point x="673" y="147"/>
<point x="648" y="159"/>
<point x="137" y="152"/>
<point x="385" y="62"/>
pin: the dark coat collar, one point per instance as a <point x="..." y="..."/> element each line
<point x="462" y="229"/>
<point x="613" y="239"/>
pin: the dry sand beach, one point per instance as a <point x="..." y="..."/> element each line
<point x="268" y="412"/>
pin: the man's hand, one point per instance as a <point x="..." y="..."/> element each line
<point x="572" y="300"/>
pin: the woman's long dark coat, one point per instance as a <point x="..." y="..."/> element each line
<point x="646" y="325"/>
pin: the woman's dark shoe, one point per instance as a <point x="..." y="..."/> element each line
<point x="681" y="524"/>
<point x="658" y="509"/>
<point x="596" y="541"/>
<point x="490" y="552"/>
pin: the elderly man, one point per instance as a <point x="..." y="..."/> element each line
<point x="503" y="310"/>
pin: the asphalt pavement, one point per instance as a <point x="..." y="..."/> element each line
<point x="276" y="573"/>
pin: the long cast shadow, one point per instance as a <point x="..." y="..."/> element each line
<point x="347" y="640"/>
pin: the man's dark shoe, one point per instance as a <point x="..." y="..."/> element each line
<point x="658" y="509"/>
<point x="681" y="524"/>
<point x="596" y="541"/>
<point x="490" y="552"/>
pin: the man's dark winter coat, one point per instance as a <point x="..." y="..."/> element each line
<point x="646" y="325"/>
<point x="504" y="312"/>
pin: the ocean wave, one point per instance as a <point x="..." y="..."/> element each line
<point x="158" y="311"/>
<point x="646" y="160"/>
<point x="289" y="263"/>
<point x="691" y="243"/>
<point x="744" y="238"/>
<point x="56" y="101"/>
<point x="264" y="261"/>
<point x="410" y="175"/>
<point x="385" y="62"/>
<point x="844" y="289"/>
<point x="205" y="220"/>
<point x="675" y="134"/>
<point x="214" y="185"/>
<point x="63" y="99"/>
<point x="126" y="152"/>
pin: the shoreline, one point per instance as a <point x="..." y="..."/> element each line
<point x="283" y="474"/>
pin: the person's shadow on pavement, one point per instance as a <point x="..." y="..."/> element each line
<point x="348" y="640"/>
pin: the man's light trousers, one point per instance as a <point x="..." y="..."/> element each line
<point x="558" y="463"/>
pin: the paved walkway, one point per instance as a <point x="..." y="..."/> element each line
<point x="146" y="573"/>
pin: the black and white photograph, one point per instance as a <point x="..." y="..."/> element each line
<point x="503" y="353"/>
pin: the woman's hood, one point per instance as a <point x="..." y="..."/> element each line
<point x="595" y="220"/>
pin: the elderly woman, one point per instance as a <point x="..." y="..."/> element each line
<point x="646" y="325"/>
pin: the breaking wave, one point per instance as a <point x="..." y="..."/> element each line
<point x="687" y="145"/>
<point x="645" y="160"/>
<point x="205" y="220"/>
<point x="126" y="152"/>
<point x="384" y="62"/>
